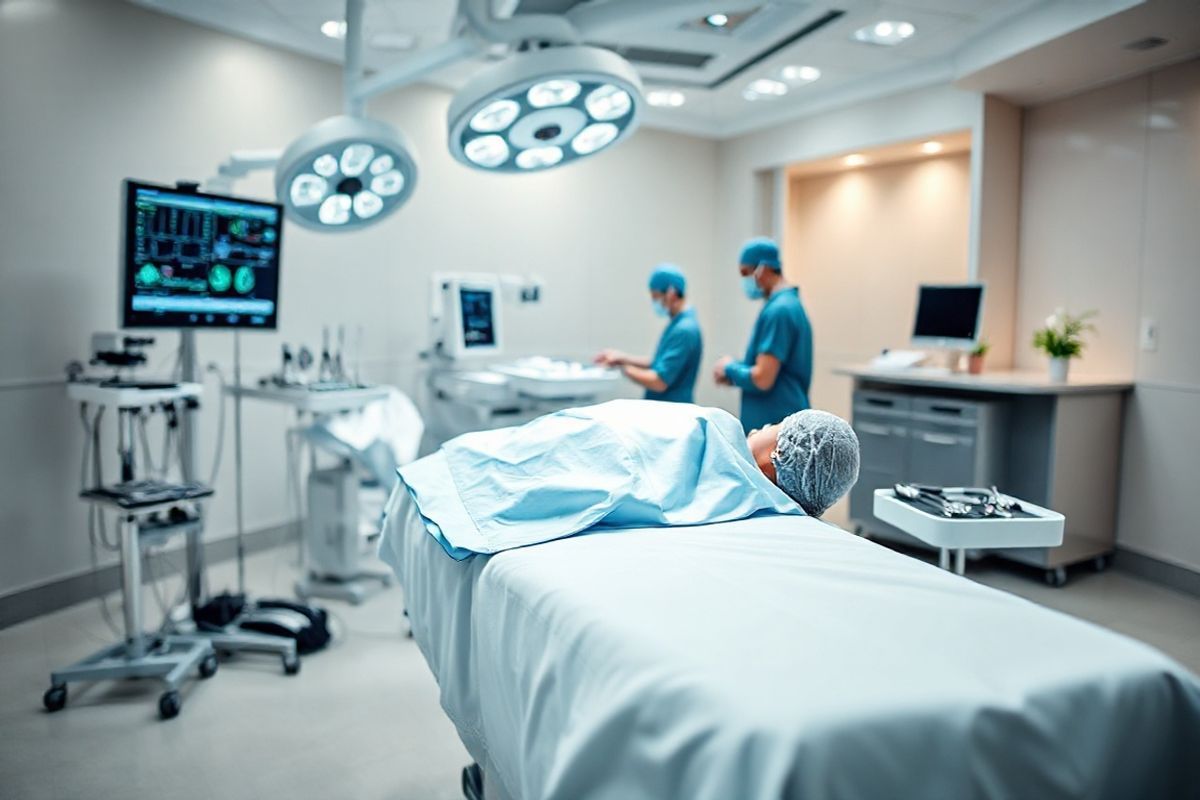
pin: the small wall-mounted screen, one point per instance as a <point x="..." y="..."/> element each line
<point x="195" y="260"/>
<point x="478" y="318"/>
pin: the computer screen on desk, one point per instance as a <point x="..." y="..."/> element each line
<point x="948" y="315"/>
<point x="197" y="260"/>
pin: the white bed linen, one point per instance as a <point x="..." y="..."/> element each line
<point x="781" y="658"/>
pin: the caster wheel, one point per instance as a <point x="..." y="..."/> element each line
<point x="1101" y="563"/>
<point x="472" y="782"/>
<point x="208" y="667"/>
<point x="55" y="698"/>
<point x="291" y="666"/>
<point x="169" y="704"/>
<point x="1056" y="577"/>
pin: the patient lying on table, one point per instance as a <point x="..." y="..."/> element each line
<point x="626" y="464"/>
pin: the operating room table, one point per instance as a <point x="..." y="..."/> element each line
<point x="779" y="657"/>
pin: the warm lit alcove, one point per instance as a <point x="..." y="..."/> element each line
<point x="861" y="231"/>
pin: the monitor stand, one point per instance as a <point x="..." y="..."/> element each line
<point x="230" y="639"/>
<point x="952" y="359"/>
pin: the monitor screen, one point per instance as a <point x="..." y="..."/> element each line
<point x="478" y="319"/>
<point x="196" y="260"/>
<point x="948" y="313"/>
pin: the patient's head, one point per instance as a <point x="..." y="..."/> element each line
<point x="812" y="456"/>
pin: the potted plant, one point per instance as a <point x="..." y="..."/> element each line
<point x="975" y="357"/>
<point x="1062" y="340"/>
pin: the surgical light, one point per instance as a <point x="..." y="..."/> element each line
<point x="666" y="98"/>
<point x="885" y="32"/>
<point x="344" y="172"/>
<point x="355" y="158"/>
<point x="608" y="102"/>
<point x="325" y="165"/>
<point x="538" y="157"/>
<point x="487" y="151"/>
<point x="553" y="93"/>
<point x="541" y="108"/>
<point x="367" y="204"/>
<point x="308" y="189"/>
<point x="593" y="137"/>
<point x="495" y="116"/>
<point x="335" y="210"/>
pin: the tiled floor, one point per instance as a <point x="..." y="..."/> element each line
<point x="361" y="720"/>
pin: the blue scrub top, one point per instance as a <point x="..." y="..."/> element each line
<point x="782" y="330"/>
<point x="677" y="358"/>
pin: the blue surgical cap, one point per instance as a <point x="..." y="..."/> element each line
<point x="816" y="459"/>
<point x="761" y="251"/>
<point x="668" y="276"/>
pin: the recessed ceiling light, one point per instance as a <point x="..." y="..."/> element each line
<point x="334" y="28"/>
<point x="854" y="160"/>
<point x="764" y="89"/>
<point x="666" y="98"/>
<point x="931" y="147"/>
<point x="885" y="32"/>
<point x="795" y="74"/>
<point x="717" y="20"/>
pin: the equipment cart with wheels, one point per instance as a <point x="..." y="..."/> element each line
<point x="170" y="658"/>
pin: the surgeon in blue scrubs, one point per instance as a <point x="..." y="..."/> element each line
<point x="776" y="372"/>
<point x="671" y="374"/>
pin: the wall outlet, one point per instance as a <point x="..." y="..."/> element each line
<point x="1149" y="334"/>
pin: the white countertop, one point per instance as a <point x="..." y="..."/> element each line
<point x="313" y="402"/>
<point x="1004" y="382"/>
<point x="127" y="396"/>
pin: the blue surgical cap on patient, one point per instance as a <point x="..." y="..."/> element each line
<point x="816" y="459"/>
<point x="760" y="251"/>
<point x="668" y="276"/>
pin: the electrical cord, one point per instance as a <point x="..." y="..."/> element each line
<point x="145" y="441"/>
<point x="90" y="447"/>
<point x="220" y="447"/>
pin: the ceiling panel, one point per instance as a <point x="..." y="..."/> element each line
<point x="943" y="28"/>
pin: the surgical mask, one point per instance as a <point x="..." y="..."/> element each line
<point x="659" y="309"/>
<point x="751" y="288"/>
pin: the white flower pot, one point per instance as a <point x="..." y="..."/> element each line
<point x="1059" y="367"/>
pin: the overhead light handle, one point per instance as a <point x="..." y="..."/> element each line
<point x="353" y="70"/>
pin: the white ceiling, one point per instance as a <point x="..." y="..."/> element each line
<point x="945" y="31"/>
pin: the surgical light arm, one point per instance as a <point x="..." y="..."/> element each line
<point x="484" y="24"/>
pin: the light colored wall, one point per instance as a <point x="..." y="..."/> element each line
<point x="859" y="242"/>
<point x="995" y="220"/>
<point x="93" y="91"/>
<point x="1110" y="195"/>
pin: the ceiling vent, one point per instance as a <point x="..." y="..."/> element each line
<point x="1148" y="43"/>
<point x="659" y="58"/>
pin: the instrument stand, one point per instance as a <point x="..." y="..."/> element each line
<point x="354" y="589"/>
<point x="229" y="639"/>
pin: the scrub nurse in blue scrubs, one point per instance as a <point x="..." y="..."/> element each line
<point x="671" y="374"/>
<point x="776" y="372"/>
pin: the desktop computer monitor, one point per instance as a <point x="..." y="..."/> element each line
<point x="198" y="260"/>
<point x="948" y="315"/>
